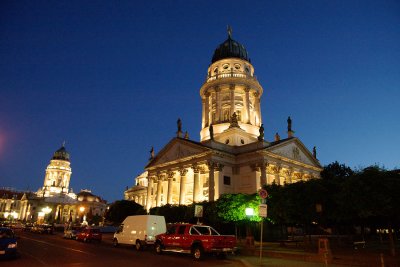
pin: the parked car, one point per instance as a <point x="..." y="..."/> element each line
<point x="71" y="233"/>
<point x="89" y="234"/>
<point x="194" y="239"/>
<point x="27" y="227"/>
<point x="8" y="242"/>
<point x="139" y="230"/>
<point x="42" y="229"/>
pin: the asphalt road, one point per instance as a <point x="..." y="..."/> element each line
<point x="53" y="250"/>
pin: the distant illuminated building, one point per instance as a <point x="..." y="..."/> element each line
<point x="232" y="155"/>
<point x="55" y="201"/>
<point x="58" y="175"/>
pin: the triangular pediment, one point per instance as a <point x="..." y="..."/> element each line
<point x="294" y="149"/>
<point x="177" y="149"/>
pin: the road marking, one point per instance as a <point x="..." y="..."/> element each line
<point x="47" y="243"/>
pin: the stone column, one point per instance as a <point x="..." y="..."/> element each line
<point x="219" y="182"/>
<point x="159" y="187"/>
<point x="207" y="110"/>
<point x="276" y="171"/>
<point x="257" y="108"/>
<point x="196" y="183"/>
<point x="217" y="104"/>
<point x="149" y="187"/>
<point x="263" y="176"/>
<point x="182" y="191"/>
<point x="170" y="184"/>
<point x="232" y="90"/>
<point x="203" y="108"/>
<point x="247" y="91"/>
<point x="211" y="181"/>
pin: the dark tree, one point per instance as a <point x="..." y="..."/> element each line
<point x="120" y="209"/>
<point x="336" y="170"/>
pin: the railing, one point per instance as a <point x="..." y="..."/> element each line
<point x="230" y="75"/>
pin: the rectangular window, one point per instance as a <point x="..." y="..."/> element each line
<point x="227" y="180"/>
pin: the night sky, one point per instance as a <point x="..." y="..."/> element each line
<point x="111" y="78"/>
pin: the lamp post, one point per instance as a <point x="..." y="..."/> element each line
<point x="249" y="237"/>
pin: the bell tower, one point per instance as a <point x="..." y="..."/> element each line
<point x="231" y="112"/>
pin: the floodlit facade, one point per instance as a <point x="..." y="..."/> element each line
<point x="232" y="155"/>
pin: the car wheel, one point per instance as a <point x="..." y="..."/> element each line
<point x="85" y="240"/>
<point x="138" y="245"/>
<point x="158" y="248"/>
<point x="115" y="242"/>
<point x="197" y="252"/>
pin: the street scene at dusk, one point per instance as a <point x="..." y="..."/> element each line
<point x="199" y="133"/>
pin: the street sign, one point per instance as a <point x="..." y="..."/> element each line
<point x="198" y="211"/>
<point x="262" y="210"/>
<point x="263" y="193"/>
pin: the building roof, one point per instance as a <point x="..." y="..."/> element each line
<point x="61" y="154"/>
<point x="230" y="49"/>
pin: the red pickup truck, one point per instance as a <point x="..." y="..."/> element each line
<point x="195" y="239"/>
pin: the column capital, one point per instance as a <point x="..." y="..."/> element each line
<point x="196" y="168"/>
<point x="217" y="88"/>
<point x="247" y="89"/>
<point x="183" y="171"/>
<point x="214" y="165"/>
<point x="232" y="86"/>
<point x="152" y="177"/>
<point x="170" y="174"/>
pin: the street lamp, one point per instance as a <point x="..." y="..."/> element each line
<point x="249" y="237"/>
<point x="249" y="212"/>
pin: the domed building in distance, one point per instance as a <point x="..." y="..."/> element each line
<point x="232" y="155"/>
<point x="55" y="201"/>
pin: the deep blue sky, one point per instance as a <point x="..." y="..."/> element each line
<point x="112" y="77"/>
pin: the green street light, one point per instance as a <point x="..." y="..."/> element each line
<point x="249" y="211"/>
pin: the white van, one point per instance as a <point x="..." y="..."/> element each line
<point x="139" y="230"/>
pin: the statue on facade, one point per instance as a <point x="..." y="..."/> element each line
<point x="314" y="152"/>
<point x="186" y="135"/>
<point x="289" y="124"/>
<point x="211" y="128"/>
<point x="179" y="124"/>
<point x="277" y="137"/>
<point x="152" y="153"/>
<point x="234" y="121"/>
<point x="261" y="130"/>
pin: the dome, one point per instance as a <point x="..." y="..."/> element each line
<point x="61" y="154"/>
<point x="86" y="195"/>
<point x="230" y="48"/>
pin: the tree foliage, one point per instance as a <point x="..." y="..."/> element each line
<point x="120" y="209"/>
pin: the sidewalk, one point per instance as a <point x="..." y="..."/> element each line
<point x="275" y="255"/>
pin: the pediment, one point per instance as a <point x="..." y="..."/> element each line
<point x="177" y="149"/>
<point x="295" y="150"/>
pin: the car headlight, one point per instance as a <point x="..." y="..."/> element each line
<point x="12" y="245"/>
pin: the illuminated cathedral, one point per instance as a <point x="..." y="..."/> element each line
<point x="233" y="155"/>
